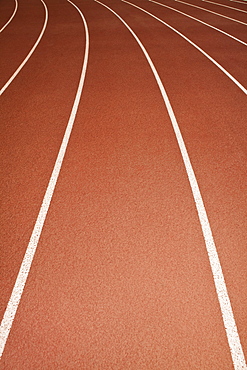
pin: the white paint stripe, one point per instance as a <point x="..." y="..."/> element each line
<point x="236" y="1"/>
<point x="225" y="6"/>
<point x="210" y="11"/>
<point x="225" y="304"/>
<point x="198" y="20"/>
<point x="193" y="44"/>
<point x="15" y="298"/>
<point x="29" y="54"/>
<point x="12" y="16"/>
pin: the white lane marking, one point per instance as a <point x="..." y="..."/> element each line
<point x="11" y="17"/>
<point x="225" y="6"/>
<point x="210" y="11"/>
<point x="198" y="20"/>
<point x="15" y="298"/>
<point x="193" y="44"/>
<point x="236" y="1"/>
<point x="29" y="54"/>
<point x="224" y="301"/>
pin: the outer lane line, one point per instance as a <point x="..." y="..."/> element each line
<point x="29" y="54"/>
<point x="11" y="17"/>
<point x="17" y="291"/>
<point x="225" y="6"/>
<point x="198" y="20"/>
<point x="210" y="11"/>
<point x="220" y="285"/>
<point x="193" y="44"/>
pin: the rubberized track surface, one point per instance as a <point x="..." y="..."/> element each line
<point x="121" y="277"/>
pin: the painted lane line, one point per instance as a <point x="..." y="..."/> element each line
<point x="198" y="20"/>
<point x="15" y="298"/>
<point x="221" y="289"/>
<point x="193" y="44"/>
<point x="210" y="11"/>
<point x="236" y="1"/>
<point x="11" y="17"/>
<point x="225" y="6"/>
<point x="30" y="52"/>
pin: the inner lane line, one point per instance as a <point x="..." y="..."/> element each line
<point x="18" y="289"/>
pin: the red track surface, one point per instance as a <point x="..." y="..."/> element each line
<point x="121" y="277"/>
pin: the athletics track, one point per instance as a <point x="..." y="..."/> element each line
<point x="123" y="184"/>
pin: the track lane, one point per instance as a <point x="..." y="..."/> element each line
<point x="231" y="176"/>
<point x="124" y="209"/>
<point x="236" y="29"/>
<point x="205" y="41"/>
<point x="19" y="38"/>
<point x="26" y="59"/>
<point x="32" y="134"/>
<point x="200" y="21"/>
<point x="19" y="286"/>
<point x="234" y="16"/>
<point x="112" y="215"/>
<point x="226" y="6"/>
<point x="11" y="16"/>
<point x="7" y="8"/>
<point x="237" y="3"/>
<point x="221" y="289"/>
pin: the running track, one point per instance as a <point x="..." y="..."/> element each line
<point x="123" y="184"/>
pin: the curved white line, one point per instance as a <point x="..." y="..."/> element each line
<point x="210" y="11"/>
<point x="193" y="44"/>
<point x="29" y="54"/>
<point x="224" y="301"/>
<point x="15" y="298"/>
<point x="198" y="20"/>
<point x="225" y="6"/>
<point x="11" y="17"/>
